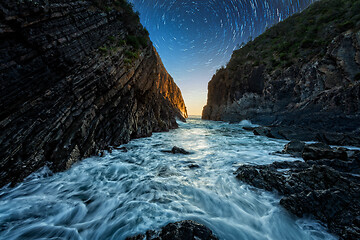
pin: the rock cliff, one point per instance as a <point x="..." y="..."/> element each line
<point x="304" y="72"/>
<point x="76" y="77"/>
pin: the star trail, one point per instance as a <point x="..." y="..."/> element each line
<point x="194" y="38"/>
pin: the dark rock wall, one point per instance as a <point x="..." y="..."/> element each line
<point x="327" y="84"/>
<point x="318" y="86"/>
<point x="69" y="89"/>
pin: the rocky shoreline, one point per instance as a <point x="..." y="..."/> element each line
<point x="326" y="185"/>
<point x="302" y="133"/>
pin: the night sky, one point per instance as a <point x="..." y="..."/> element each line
<point x="194" y="38"/>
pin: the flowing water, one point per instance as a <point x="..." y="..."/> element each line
<point x="125" y="193"/>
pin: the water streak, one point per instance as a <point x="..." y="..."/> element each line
<point x="123" y="194"/>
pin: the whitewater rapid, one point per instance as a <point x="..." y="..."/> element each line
<point x="126" y="193"/>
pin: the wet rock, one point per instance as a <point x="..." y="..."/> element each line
<point x="294" y="148"/>
<point x="102" y="153"/>
<point x="327" y="189"/>
<point x="268" y="132"/>
<point x="187" y="229"/>
<point x="176" y="150"/>
<point x="249" y="128"/>
<point x="262" y="131"/>
<point x="322" y="151"/>
<point x="351" y="166"/>
<point x="191" y="166"/>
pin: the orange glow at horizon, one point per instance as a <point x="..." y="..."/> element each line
<point x="195" y="94"/>
<point x="194" y="104"/>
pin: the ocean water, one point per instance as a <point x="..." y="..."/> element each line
<point x="126" y="193"/>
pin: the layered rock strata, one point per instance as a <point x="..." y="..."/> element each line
<point x="76" y="77"/>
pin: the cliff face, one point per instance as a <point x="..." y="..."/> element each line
<point x="303" y="72"/>
<point x="76" y="77"/>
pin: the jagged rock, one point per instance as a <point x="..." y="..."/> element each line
<point x="191" y="166"/>
<point x="314" y="95"/>
<point x="268" y="132"/>
<point x="176" y="150"/>
<point x="70" y="85"/>
<point x="187" y="229"/>
<point x="262" y="131"/>
<point x="315" y="151"/>
<point x="324" y="188"/>
<point x="294" y="148"/>
<point x="322" y="151"/>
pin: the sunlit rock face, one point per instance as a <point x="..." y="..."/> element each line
<point x="303" y="71"/>
<point x="168" y="88"/>
<point x="76" y="77"/>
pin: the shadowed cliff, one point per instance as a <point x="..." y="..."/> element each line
<point x="77" y="77"/>
<point x="302" y="73"/>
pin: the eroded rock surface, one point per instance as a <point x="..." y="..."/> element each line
<point x="187" y="229"/>
<point x="76" y="77"/>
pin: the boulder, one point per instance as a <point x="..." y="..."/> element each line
<point x="294" y="148"/>
<point x="249" y="128"/>
<point x="176" y="150"/>
<point x="189" y="230"/>
<point x="191" y="166"/>
<point x="318" y="151"/>
<point x="268" y="132"/>
<point x="261" y="131"/>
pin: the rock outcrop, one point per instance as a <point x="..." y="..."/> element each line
<point x="76" y="77"/>
<point x="187" y="229"/>
<point x="304" y="72"/>
<point x="176" y="150"/>
<point x="326" y="185"/>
